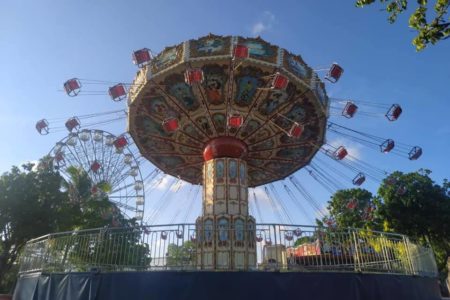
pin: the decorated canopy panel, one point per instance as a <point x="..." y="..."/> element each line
<point x="172" y="119"/>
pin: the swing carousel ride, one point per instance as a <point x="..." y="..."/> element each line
<point x="228" y="114"/>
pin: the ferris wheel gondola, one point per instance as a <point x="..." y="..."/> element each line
<point x="111" y="166"/>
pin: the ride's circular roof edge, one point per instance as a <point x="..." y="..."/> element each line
<point x="230" y="86"/>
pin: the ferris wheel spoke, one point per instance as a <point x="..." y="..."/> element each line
<point x="114" y="161"/>
<point x="123" y="205"/>
<point x="122" y="171"/>
<point x="122" y="188"/>
<point x="89" y="159"/>
<point x="75" y="157"/>
<point x="106" y="158"/>
<point x="116" y="181"/>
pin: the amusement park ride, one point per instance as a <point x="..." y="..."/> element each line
<point x="236" y="118"/>
<point x="230" y="114"/>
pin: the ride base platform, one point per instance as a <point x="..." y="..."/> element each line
<point x="201" y="285"/>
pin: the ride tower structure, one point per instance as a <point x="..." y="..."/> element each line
<point x="225" y="208"/>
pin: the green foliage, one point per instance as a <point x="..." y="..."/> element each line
<point x="31" y="204"/>
<point x="421" y="212"/>
<point x="363" y="215"/>
<point x="432" y="31"/>
<point x="181" y="255"/>
<point x="105" y="249"/>
<point x="38" y="201"/>
<point x="304" y="240"/>
<point x="410" y="204"/>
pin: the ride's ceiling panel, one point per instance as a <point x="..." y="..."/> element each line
<point x="239" y="87"/>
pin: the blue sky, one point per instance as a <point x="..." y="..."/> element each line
<point x="43" y="43"/>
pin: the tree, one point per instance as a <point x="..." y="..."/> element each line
<point x="92" y="210"/>
<point x="414" y="205"/>
<point x="181" y="255"/>
<point x="354" y="208"/>
<point x="305" y="240"/>
<point x="117" y="240"/>
<point x="36" y="200"/>
<point x="31" y="204"/>
<point x="432" y="31"/>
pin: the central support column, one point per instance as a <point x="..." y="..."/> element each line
<point x="225" y="231"/>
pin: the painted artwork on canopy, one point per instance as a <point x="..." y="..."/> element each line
<point x="293" y="153"/>
<point x="157" y="106"/>
<point x="279" y="167"/>
<point x="259" y="135"/>
<point x="170" y="161"/>
<point x="308" y="133"/>
<point x="210" y="45"/>
<point x="258" y="175"/>
<point x="295" y="64"/>
<point x="273" y="101"/>
<point x="219" y="122"/>
<point x="249" y="127"/>
<point x="183" y="93"/>
<point x="166" y="58"/>
<point x="247" y="87"/>
<point x="268" y="144"/>
<point x="319" y="91"/>
<point x="193" y="173"/>
<point x="185" y="139"/>
<point x="204" y="124"/>
<point x="260" y="49"/>
<point x="215" y="80"/>
<point x="202" y="112"/>
<point x="262" y="154"/>
<point x="146" y="125"/>
<point x="193" y="132"/>
<point x="188" y="150"/>
<point x="191" y="159"/>
<point x="155" y="145"/>
<point x="255" y="162"/>
<point x="295" y="114"/>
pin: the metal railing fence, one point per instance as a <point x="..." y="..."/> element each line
<point x="282" y="247"/>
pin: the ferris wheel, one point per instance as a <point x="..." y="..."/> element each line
<point x="110" y="164"/>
